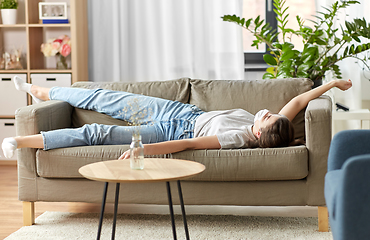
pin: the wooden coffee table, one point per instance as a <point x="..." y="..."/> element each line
<point x="155" y="170"/>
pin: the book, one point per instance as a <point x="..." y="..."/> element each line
<point x="54" y="21"/>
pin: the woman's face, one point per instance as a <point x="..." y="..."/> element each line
<point x="266" y="120"/>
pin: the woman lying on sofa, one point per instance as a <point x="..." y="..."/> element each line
<point x="168" y="126"/>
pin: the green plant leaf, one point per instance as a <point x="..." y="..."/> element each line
<point x="284" y="74"/>
<point x="349" y="26"/>
<point x="353" y="2"/>
<point x="356" y="38"/>
<point x="248" y="23"/>
<point x="287" y="46"/>
<point x="257" y="20"/>
<point x="268" y="76"/>
<point x="305" y="67"/>
<point x="345" y="52"/>
<point x="286" y="64"/>
<point x="287" y="55"/>
<point x="9" y="4"/>
<point x="271" y="70"/>
<point x="277" y="45"/>
<point x="352" y="49"/>
<point x="325" y="62"/>
<point x="358" y="49"/>
<point x="307" y="57"/>
<point x="270" y="60"/>
<point x="303" y="75"/>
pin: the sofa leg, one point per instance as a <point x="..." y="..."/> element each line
<point x="28" y="213"/>
<point x="323" y="219"/>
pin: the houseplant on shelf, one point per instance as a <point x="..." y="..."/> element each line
<point x="9" y="11"/>
<point x="324" y="46"/>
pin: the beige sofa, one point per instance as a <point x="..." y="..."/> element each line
<point x="291" y="176"/>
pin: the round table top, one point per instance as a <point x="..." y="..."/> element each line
<point x="155" y="170"/>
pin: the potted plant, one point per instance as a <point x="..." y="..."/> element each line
<point x="324" y="46"/>
<point x="9" y="11"/>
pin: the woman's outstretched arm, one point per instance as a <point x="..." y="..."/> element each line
<point x="294" y="106"/>
<point x="208" y="142"/>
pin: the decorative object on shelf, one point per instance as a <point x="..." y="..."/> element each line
<point x="53" y="12"/>
<point x="323" y="48"/>
<point x="12" y="61"/>
<point x="59" y="47"/>
<point x="2" y="62"/>
<point x="9" y="11"/>
<point x="61" y="62"/>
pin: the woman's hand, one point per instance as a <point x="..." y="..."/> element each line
<point x="125" y="155"/>
<point x="343" y="84"/>
<point x="294" y="106"/>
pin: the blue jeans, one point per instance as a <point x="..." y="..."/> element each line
<point x="157" y="119"/>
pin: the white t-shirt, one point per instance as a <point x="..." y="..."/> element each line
<point x="233" y="128"/>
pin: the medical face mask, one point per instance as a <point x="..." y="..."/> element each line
<point x="259" y="115"/>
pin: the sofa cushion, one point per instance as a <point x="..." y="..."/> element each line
<point x="257" y="164"/>
<point x="178" y="90"/>
<point x="221" y="165"/>
<point x="252" y="96"/>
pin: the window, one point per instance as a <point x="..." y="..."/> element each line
<point x="252" y="8"/>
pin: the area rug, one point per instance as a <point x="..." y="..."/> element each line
<point x="58" y="225"/>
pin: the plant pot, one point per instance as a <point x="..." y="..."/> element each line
<point x="9" y="16"/>
<point x="317" y="83"/>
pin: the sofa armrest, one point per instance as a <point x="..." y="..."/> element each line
<point x="44" y="116"/>
<point x="318" y="117"/>
<point x="31" y="120"/>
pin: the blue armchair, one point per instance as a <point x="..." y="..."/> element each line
<point x="347" y="185"/>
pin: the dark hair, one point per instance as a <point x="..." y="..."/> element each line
<point x="279" y="134"/>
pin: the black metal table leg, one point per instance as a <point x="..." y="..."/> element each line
<point x="115" y="211"/>
<point x="183" y="210"/>
<point x="102" y="210"/>
<point x="171" y="210"/>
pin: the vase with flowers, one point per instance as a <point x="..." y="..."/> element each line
<point x="136" y="116"/>
<point x="59" y="47"/>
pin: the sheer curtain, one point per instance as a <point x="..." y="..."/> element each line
<point x="151" y="40"/>
<point x="351" y="68"/>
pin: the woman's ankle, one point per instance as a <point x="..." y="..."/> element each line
<point x="40" y="92"/>
<point x="31" y="141"/>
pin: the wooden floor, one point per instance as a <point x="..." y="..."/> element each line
<point x="11" y="218"/>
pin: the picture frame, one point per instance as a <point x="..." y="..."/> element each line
<point x="52" y="10"/>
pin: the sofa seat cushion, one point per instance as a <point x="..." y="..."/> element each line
<point x="257" y="164"/>
<point x="221" y="165"/>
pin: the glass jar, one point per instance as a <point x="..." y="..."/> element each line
<point x="61" y="62"/>
<point x="136" y="152"/>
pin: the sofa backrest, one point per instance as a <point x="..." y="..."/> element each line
<point x="252" y="95"/>
<point x="177" y="90"/>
